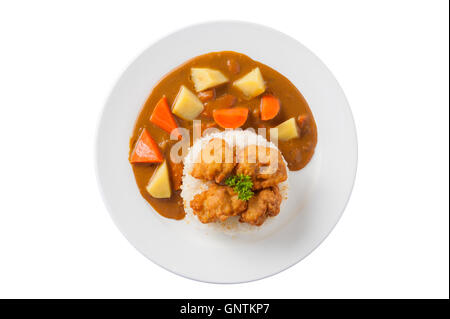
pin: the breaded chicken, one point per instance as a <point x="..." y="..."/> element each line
<point x="263" y="204"/>
<point x="265" y="165"/>
<point x="217" y="204"/>
<point x="216" y="161"/>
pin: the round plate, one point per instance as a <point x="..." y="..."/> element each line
<point x="318" y="193"/>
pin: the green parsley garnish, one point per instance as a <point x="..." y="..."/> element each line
<point x="242" y="185"/>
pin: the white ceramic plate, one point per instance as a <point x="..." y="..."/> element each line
<point x="317" y="194"/>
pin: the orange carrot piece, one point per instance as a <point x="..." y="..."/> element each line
<point x="163" y="118"/>
<point x="231" y="118"/>
<point x="146" y="150"/>
<point x="270" y="106"/>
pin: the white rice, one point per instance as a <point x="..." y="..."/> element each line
<point x="192" y="186"/>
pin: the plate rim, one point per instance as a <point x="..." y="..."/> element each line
<point x="97" y="141"/>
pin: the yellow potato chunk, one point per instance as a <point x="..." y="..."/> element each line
<point x="159" y="184"/>
<point x="251" y="84"/>
<point x="205" y="78"/>
<point x="187" y="105"/>
<point x="286" y="130"/>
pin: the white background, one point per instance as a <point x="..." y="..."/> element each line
<point x="58" y="63"/>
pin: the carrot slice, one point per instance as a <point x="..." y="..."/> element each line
<point x="270" y="106"/>
<point x="231" y="118"/>
<point x="146" y="150"/>
<point x="162" y="117"/>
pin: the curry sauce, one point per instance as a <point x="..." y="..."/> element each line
<point x="297" y="151"/>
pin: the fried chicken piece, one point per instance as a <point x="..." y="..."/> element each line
<point x="264" y="165"/>
<point x="264" y="204"/>
<point x="216" y="161"/>
<point x="217" y="204"/>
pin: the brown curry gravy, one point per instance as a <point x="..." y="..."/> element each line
<point x="297" y="152"/>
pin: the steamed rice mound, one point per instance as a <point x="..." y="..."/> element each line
<point x="192" y="186"/>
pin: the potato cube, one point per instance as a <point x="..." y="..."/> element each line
<point x="286" y="130"/>
<point x="159" y="184"/>
<point x="205" y="78"/>
<point x="251" y="84"/>
<point x="187" y="105"/>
